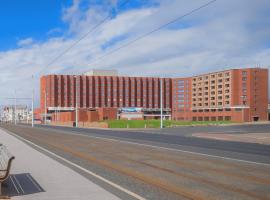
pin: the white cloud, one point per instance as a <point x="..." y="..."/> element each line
<point x="25" y="42"/>
<point x="225" y="34"/>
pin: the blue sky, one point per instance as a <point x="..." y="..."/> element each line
<point x="42" y="19"/>
<point x="226" y="34"/>
<point x="30" y="18"/>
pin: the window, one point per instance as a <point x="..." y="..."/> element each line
<point x="180" y="81"/>
<point x="244" y="73"/>
<point x="227" y="118"/>
<point x="180" y="95"/>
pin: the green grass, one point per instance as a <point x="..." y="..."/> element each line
<point x="156" y="123"/>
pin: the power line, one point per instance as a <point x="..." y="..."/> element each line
<point x="154" y="30"/>
<point x="83" y="37"/>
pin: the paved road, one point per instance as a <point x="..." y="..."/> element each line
<point x="177" y="138"/>
<point x="154" y="172"/>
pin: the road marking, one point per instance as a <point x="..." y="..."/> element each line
<point x="81" y="168"/>
<point x="117" y="139"/>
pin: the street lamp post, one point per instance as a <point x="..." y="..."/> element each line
<point x="161" y="103"/>
<point x="76" y="99"/>
<point x="33" y="103"/>
<point x="15" y="109"/>
<point x="45" y="109"/>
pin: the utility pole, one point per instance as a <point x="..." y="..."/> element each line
<point x="76" y="98"/>
<point x="15" y="109"/>
<point x="33" y="103"/>
<point x="45" y="109"/>
<point x="161" y="103"/>
<point x="27" y="113"/>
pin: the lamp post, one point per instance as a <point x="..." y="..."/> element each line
<point x="33" y="102"/>
<point x="161" y="103"/>
<point x="15" y="109"/>
<point x="76" y="99"/>
<point x="45" y="107"/>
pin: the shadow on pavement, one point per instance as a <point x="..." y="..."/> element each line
<point x="20" y="184"/>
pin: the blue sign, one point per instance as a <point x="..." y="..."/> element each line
<point x="131" y="110"/>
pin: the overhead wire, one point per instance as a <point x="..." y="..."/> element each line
<point x="83" y="37"/>
<point x="153" y="31"/>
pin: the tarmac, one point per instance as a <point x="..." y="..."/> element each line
<point x="260" y="138"/>
<point x="35" y="176"/>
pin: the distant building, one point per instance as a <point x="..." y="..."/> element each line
<point x="98" y="72"/>
<point x="239" y="95"/>
<point x="20" y="112"/>
<point x="105" y="92"/>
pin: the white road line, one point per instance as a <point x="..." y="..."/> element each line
<point x="81" y="168"/>
<point x="165" y="148"/>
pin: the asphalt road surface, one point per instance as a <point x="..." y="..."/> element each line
<point x="163" y="164"/>
<point x="178" y="138"/>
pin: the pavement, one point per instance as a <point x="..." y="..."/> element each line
<point x="35" y="176"/>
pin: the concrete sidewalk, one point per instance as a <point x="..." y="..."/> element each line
<point x="52" y="179"/>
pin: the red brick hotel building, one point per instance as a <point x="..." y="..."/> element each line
<point x="239" y="95"/>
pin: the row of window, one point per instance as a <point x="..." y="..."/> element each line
<point x="227" y="74"/>
<point x="211" y="104"/>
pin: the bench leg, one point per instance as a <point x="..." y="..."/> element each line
<point x="2" y="196"/>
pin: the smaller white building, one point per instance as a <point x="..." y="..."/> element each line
<point x="19" y="112"/>
<point x="101" y="72"/>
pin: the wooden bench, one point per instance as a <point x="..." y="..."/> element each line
<point x="5" y="165"/>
